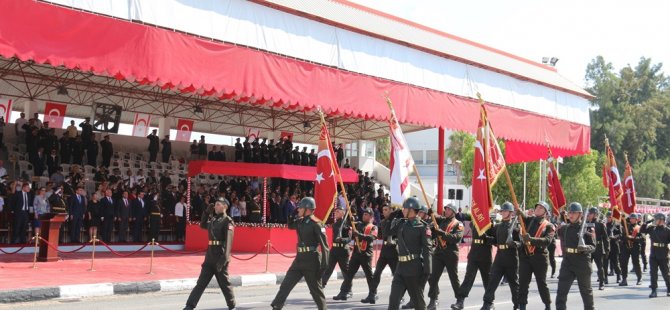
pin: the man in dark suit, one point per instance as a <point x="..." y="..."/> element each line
<point x="167" y="148"/>
<point x="107" y="208"/>
<point x="220" y="155"/>
<point x="122" y="211"/>
<point x="107" y="151"/>
<point x="23" y="202"/>
<point x="139" y="213"/>
<point x="340" y="154"/>
<point x="53" y="162"/>
<point x="40" y="162"/>
<point x="153" y="145"/>
<point x="76" y="208"/>
<point x="212" y="154"/>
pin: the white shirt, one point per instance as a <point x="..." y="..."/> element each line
<point x="19" y="124"/>
<point x="2" y="203"/>
<point x="179" y="209"/>
<point x="3" y="171"/>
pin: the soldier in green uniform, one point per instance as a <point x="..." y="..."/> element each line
<point x="659" y="238"/>
<point x="577" y="246"/>
<point x="599" y="232"/>
<point x="364" y="235"/>
<point x="630" y="250"/>
<point x="339" y="253"/>
<point x="308" y="263"/>
<point x="506" y="262"/>
<point x="612" y="261"/>
<point x="534" y="257"/>
<point x="447" y="234"/>
<point x="388" y="256"/>
<point x="220" y="231"/>
<point x="414" y="257"/>
<point x="479" y="259"/>
<point x="424" y="215"/>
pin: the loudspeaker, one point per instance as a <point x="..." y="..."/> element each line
<point x="106" y="117"/>
<point x="451" y="194"/>
<point x="459" y="194"/>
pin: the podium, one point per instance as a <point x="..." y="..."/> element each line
<point x="50" y="230"/>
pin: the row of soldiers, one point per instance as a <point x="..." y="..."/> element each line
<point x="282" y="152"/>
<point x="418" y="246"/>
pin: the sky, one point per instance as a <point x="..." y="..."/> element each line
<point x="574" y="31"/>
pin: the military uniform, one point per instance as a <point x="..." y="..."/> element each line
<point x="506" y="262"/>
<point x="414" y="258"/>
<point x="339" y="253"/>
<point x="364" y="236"/>
<point x="446" y="237"/>
<point x="602" y="245"/>
<point x="308" y="262"/>
<point x="220" y="231"/>
<point x="576" y="263"/>
<point x="154" y="220"/>
<point x="630" y="249"/>
<point x="612" y="261"/>
<point x="659" y="238"/>
<point x="479" y="259"/>
<point x="534" y="257"/>
<point x="551" y="248"/>
<point x="388" y="255"/>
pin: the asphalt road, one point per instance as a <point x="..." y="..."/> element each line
<point x="260" y="297"/>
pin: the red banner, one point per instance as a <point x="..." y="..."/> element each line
<point x="141" y="124"/>
<point x="184" y="129"/>
<point x="484" y="173"/>
<point x="54" y="113"/>
<point x="556" y="195"/>
<point x="612" y="180"/>
<point x="6" y="109"/>
<point x="628" y="203"/>
<point x="325" y="187"/>
<point x="286" y="135"/>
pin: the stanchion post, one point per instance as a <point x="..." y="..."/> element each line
<point x="267" y="255"/>
<point x="93" y="252"/>
<point x="37" y="240"/>
<point x="151" y="261"/>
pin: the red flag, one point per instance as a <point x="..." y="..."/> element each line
<point x="628" y="203"/>
<point x="286" y="135"/>
<point x="184" y="129"/>
<point x="54" y="113"/>
<point x="488" y="165"/>
<point x="325" y="187"/>
<point x="613" y="180"/>
<point x="6" y="109"/>
<point x="554" y="187"/>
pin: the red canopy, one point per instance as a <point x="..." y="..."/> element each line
<point x="291" y="172"/>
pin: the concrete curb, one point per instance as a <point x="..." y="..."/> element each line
<point x="109" y="289"/>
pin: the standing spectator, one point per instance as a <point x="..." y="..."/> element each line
<point x="107" y="151"/>
<point x="36" y="120"/>
<point x="340" y="154"/>
<point x="123" y="216"/>
<point x="243" y="208"/>
<point x="288" y="208"/>
<point x="346" y="163"/>
<point x="94" y="216"/>
<point x="19" y="130"/>
<point x="65" y="148"/>
<point x="275" y="209"/>
<point x="76" y="207"/>
<point x="107" y="207"/>
<point x="247" y="150"/>
<point x="92" y="153"/>
<point x="77" y="151"/>
<point x="304" y="157"/>
<point x="312" y="158"/>
<point x="53" y="162"/>
<point x="139" y="214"/>
<point x="254" y="210"/>
<point x="220" y="155"/>
<point x="235" y="211"/>
<point x="57" y="177"/>
<point x="296" y="156"/>
<point x="167" y="148"/>
<point x="72" y="131"/>
<point x="202" y="148"/>
<point x="155" y="215"/>
<point x="180" y="214"/>
<point x="39" y="162"/>
<point x="86" y="132"/>
<point x="194" y="150"/>
<point x="153" y="145"/>
<point x="212" y="154"/>
<point x="2" y="131"/>
<point x="41" y="207"/>
<point x="239" y="150"/>
<point x="22" y="205"/>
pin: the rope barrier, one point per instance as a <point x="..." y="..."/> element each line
<point x="64" y="252"/>
<point x="123" y="255"/>
<point x="252" y="256"/>
<point x="178" y="252"/>
<point x="282" y="254"/>
<point x="17" y="251"/>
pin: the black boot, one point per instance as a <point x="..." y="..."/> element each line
<point x="432" y="305"/>
<point x="668" y="292"/>
<point x="623" y="282"/>
<point x="522" y="306"/>
<point x="611" y="273"/>
<point x="618" y="278"/>
<point x="607" y="280"/>
<point x="458" y="305"/>
<point x="639" y="281"/>
<point x="188" y="308"/>
<point x="371" y="299"/>
<point x="547" y="306"/>
<point x="409" y="305"/>
<point x="601" y="286"/>
<point x="342" y="296"/>
<point x="653" y="293"/>
<point x="488" y="306"/>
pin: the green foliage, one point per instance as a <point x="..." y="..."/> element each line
<point x="580" y="181"/>
<point x="383" y="151"/>
<point x="649" y="179"/>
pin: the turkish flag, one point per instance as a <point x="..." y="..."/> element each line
<point x="556" y="195"/>
<point x="141" y="124"/>
<point x="287" y="135"/>
<point x="6" y="109"/>
<point x="184" y="129"/>
<point x="628" y="203"/>
<point x="325" y="187"/>
<point x="613" y="181"/>
<point x="54" y="113"/>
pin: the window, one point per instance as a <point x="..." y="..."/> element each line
<point x="418" y="157"/>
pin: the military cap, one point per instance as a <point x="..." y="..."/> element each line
<point x="634" y="216"/>
<point x="543" y="205"/>
<point x="452" y="207"/>
<point x="507" y="206"/>
<point x="575" y="207"/>
<point x="411" y="203"/>
<point x="594" y="210"/>
<point x="659" y="216"/>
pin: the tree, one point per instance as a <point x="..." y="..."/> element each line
<point x="383" y="151"/>
<point x="580" y="181"/>
<point x="649" y="179"/>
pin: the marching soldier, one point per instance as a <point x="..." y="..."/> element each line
<point x="447" y="234"/>
<point x="612" y="261"/>
<point x="551" y="248"/>
<point x="220" y="231"/>
<point x="414" y="257"/>
<point x="424" y="215"/>
<point x="643" y="244"/>
<point x="659" y="236"/>
<point x="308" y="263"/>
<point x="479" y="259"/>
<point x="339" y="253"/>
<point x="577" y="246"/>
<point x="506" y="262"/>
<point x="599" y="233"/>
<point x="630" y="249"/>
<point x="389" y="253"/>
<point x="364" y="235"/>
<point x="534" y="257"/>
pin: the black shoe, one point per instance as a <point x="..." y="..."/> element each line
<point x="188" y="308"/>
<point x="458" y="305"/>
<point x="611" y="273"/>
<point x="618" y="278"/>
<point x="645" y="269"/>
<point x="342" y="296"/>
<point x="547" y="307"/>
<point x="607" y="280"/>
<point x="601" y="286"/>
<point x="668" y="293"/>
<point x="653" y="293"/>
<point x="409" y="305"/>
<point x="522" y="306"/>
<point x="432" y="305"/>
<point x="516" y="307"/>
<point x="639" y="282"/>
<point x="371" y="299"/>
<point x="623" y="282"/>
<point x="488" y="306"/>
<point x="552" y="275"/>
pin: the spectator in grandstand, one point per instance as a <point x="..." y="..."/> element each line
<point x="340" y="154"/>
<point x="139" y="213"/>
<point x="220" y="155"/>
<point x="288" y="208"/>
<point x="202" y="148"/>
<point x="53" y="162"/>
<point x="39" y="162"/>
<point x="167" y="148"/>
<point x="107" y="151"/>
<point x="107" y="207"/>
<point x="153" y="145"/>
<point x="238" y="150"/>
<point x="41" y="207"/>
<point x="57" y="177"/>
<point x="2" y="131"/>
<point x="194" y="150"/>
<point x="36" y="120"/>
<point x="92" y="151"/>
<point x="247" y="150"/>
<point x="304" y="157"/>
<point x="77" y="151"/>
<point x="235" y="212"/>
<point x="86" y="132"/>
<point x="64" y="143"/>
<point x="346" y="163"/>
<point x="71" y="131"/>
<point x="19" y="130"/>
<point x="122" y="215"/>
<point x="212" y="154"/>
